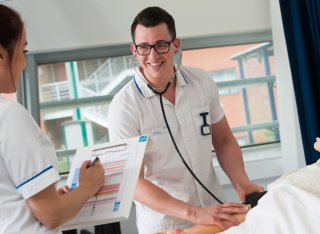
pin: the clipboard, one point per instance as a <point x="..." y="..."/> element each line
<point x="122" y="162"/>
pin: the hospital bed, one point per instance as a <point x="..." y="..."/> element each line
<point x="291" y="206"/>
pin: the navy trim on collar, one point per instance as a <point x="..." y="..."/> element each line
<point x="134" y="80"/>
<point x="145" y="91"/>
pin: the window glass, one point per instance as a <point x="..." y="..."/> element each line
<point x="245" y="76"/>
<point x="60" y="84"/>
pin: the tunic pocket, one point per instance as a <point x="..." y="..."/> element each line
<point x="202" y="121"/>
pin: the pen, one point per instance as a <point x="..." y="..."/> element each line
<point x="91" y="164"/>
<point x="94" y="204"/>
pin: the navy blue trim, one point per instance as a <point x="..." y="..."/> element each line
<point x="138" y="87"/>
<point x="183" y="76"/>
<point x="48" y="168"/>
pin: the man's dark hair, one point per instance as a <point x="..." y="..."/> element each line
<point x="152" y="16"/>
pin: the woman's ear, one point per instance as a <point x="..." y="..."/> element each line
<point x="1" y="52"/>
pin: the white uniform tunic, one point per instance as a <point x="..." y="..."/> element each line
<point x="136" y="110"/>
<point x="28" y="164"/>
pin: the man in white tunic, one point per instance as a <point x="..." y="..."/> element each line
<point x="167" y="195"/>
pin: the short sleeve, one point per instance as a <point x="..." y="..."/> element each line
<point x="216" y="109"/>
<point x="28" y="153"/>
<point x="123" y="119"/>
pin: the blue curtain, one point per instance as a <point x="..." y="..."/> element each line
<point x="301" y="23"/>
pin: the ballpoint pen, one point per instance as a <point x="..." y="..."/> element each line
<point x="91" y="164"/>
<point x="94" y="204"/>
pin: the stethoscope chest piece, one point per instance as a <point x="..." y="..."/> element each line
<point x="205" y="127"/>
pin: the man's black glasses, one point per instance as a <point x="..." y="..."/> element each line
<point x="161" y="47"/>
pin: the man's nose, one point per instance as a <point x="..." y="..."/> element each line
<point x="153" y="52"/>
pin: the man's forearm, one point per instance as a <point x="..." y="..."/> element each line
<point x="231" y="161"/>
<point x="159" y="200"/>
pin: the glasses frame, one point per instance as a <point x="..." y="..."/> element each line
<point x="154" y="47"/>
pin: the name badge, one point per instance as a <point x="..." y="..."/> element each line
<point x="205" y="127"/>
<point x="158" y="131"/>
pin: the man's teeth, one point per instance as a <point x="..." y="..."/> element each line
<point x="155" y="64"/>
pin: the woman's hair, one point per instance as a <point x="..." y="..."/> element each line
<point x="152" y="16"/>
<point x="11" y="29"/>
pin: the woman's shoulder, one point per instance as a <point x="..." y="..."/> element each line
<point x="13" y="112"/>
<point x="8" y="106"/>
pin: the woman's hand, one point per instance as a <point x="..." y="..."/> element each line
<point x="64" y="189"/>
<point x="91" y="178"/>
<point x="220" y="215"/>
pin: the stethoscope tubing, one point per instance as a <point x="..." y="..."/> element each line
<point x="168" y="127"/>
<point x="179" y="153"/>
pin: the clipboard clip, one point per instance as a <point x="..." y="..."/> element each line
<point x="109" y="149"/>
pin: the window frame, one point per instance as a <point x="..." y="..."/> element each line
<point x="29" y="93"/>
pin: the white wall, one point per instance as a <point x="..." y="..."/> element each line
<point x="291" y="142"/>
<point x="63" y="24"/>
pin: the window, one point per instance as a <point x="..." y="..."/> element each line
<point x="223" y="75"/>
<point x="76" y="87"/>
<point x="70" y="127"/>
<point x="245" y="77"/>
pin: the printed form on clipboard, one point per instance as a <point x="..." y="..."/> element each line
<point x="122" y="162"/>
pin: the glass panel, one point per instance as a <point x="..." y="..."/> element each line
<point x="68" y="132"/>
<point x="82" y="79"/>
<point x="245" y="77"/>
<point x="63" y="83"/>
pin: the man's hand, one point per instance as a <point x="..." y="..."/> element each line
<point x="246" y="188"/>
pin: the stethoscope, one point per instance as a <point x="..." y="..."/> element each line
<point x="205" y="128"/>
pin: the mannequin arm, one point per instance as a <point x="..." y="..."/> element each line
<point x="204" y="229"/>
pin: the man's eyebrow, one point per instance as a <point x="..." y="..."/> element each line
<point x="146" y="43"/>
<point x="143" y="43"/>
<point x="162" y="41"/>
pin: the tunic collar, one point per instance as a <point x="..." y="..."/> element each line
<point x="142" y="84"/>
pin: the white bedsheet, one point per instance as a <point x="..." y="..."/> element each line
<point x="285" y="209"/>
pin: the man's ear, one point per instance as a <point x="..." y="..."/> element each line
<point x="133" y="50"/>
<point x="177" y="45"/>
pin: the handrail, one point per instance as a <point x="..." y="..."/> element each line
<point x="255" y="126"/>
<point x="246" y="82"/>
<point x="75" y="103"/>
